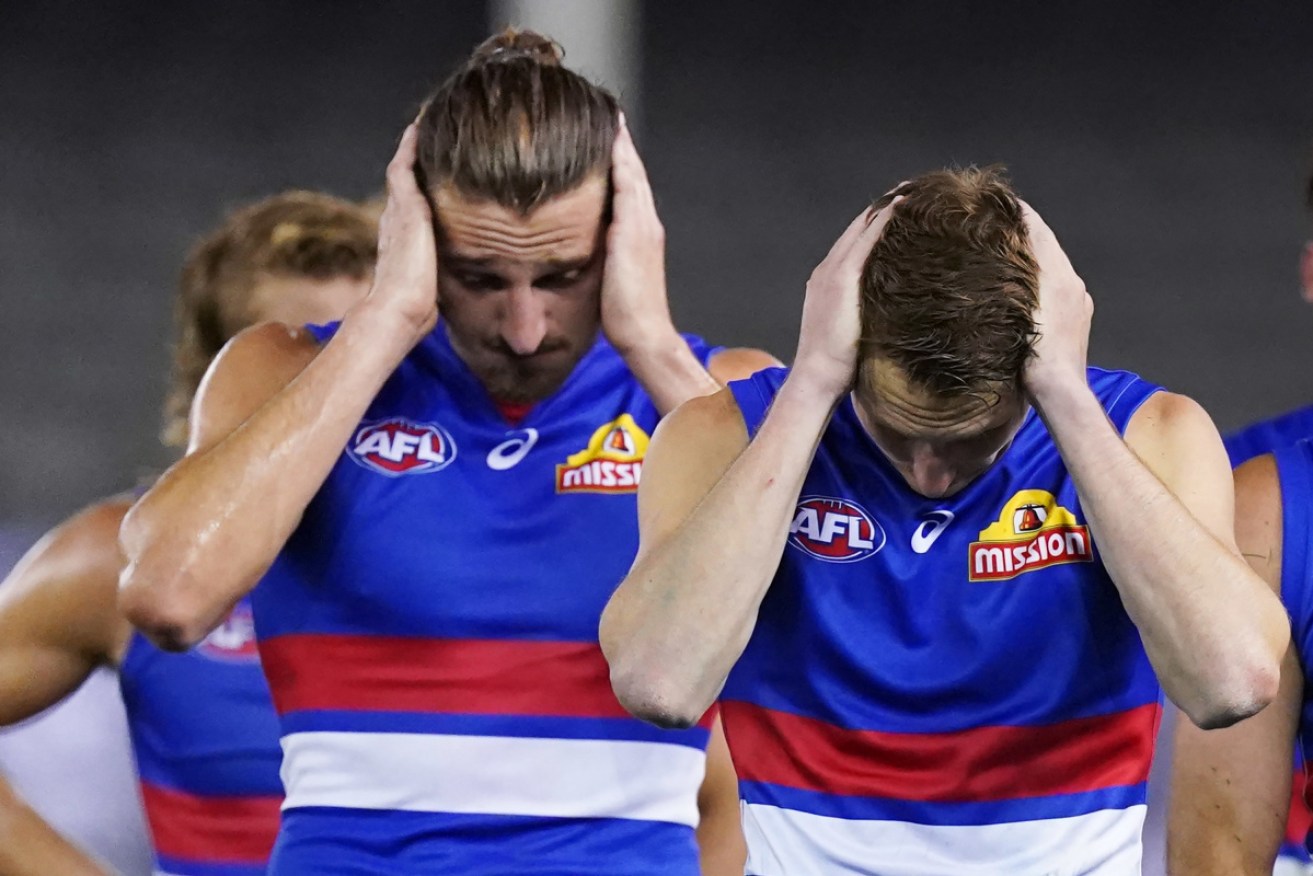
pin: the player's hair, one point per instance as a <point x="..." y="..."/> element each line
<point x="949" y="290"/>
<point x="513" y="126"/>
<point x="294" y="234"/>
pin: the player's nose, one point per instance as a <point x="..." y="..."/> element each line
<point x="525" y="323"/>
<point x="931" y="474"/>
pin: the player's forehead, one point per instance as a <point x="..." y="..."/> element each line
<point x="902" y="407"/>
<point x="564" y="231"/>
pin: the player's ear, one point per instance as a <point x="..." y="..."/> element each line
<point x="1306" y="271"/>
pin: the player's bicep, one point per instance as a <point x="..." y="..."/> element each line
<point x="1177" y="441"/>
<point x="691" y="450"/>
<point x="252" y="368"/>
<point x="58" y="620"/>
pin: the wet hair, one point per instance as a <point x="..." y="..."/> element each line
<point x="949" y="290"/>
<point x="513" y="126"/>
<point x="295" y="234"/>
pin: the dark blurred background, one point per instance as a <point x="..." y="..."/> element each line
<point x="1168" y="146"/>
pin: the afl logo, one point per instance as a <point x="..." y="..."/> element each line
<point x="835" y="530"/>
<point x="233" y="641"/>
<point x="396" y="447"/>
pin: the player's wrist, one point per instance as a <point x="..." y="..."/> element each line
<point x="648" y="339"/>
<point x="1061" y="397"/>
<point x="821" y="378"/>
<point x="809" y="393"/>
<point x="379" y="327"/>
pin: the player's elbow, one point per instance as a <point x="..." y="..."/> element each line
<point x="1247" y="688"/>
<point x="153" y="594"/>
<point x="654" y="697"/>
<point x="161" y="612"/>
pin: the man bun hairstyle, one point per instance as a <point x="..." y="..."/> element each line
<point x="949" y="291"/>
<point x="513" y="126"/>
<point x="294" y="234"/>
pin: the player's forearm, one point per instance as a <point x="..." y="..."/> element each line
<point x="1211" y="628"/>
<point x="668" y="371"/>
<point x="30" y="847"/>
<point x="209" y="529"/>
<point x="683" y="615"/>
<point x="1210" y="834"/>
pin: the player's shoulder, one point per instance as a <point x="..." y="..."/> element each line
<point x="739" y="363"/>
<point x="86" y="544"/>
<point x="1170" y="417"/>
<point x="251" y="368"/>
<point x="700" y="425"/>
<point x="68" y="581"/>
<point x="268" y="343"/>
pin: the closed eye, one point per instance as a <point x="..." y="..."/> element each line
<point x="477" y="281"/>
<point x="560" y="279"/>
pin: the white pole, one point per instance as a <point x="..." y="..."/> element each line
<point x="602" y="39"/>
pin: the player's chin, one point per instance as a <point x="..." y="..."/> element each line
<point x="520" y="383"/>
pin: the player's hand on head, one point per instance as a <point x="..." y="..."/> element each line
<point x="1062" y="316"/>
<point x="634" y="306"/>
<point x="406" y="277"/>
<point x="831" y="313"/>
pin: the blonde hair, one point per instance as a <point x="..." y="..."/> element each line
<point x="297" y="234"/>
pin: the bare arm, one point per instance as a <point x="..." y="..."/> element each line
<point x="720" y="831"/>
<point x="269" y="422"/>
<point x="1212" y="629"/>
<point x="714" y="516"/>
<point x="58" y="623"/>
<point x="1231" y="788"/>
<point x="31" y="847"/>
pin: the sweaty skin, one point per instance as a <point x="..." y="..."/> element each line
<point x="714" y="512"/>
<point x="276" y="409"/>
<point x="58" y="624"/>
<point x="59" y="618"/>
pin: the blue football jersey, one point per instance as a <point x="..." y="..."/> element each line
<point x="430" y="637"/>
<point x="1295" y="471"/>
<point x="205" y="739"/>
<point x="1266" y="436"/>
<point x="942" y="685"/>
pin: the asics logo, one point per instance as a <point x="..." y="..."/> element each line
<point x="509" y="453"/>
<point x="929" y="530"/>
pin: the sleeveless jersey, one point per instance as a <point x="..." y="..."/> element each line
<point x="205" y="737"/>
<point x="1266" y="436"/>
<point x="430" y="637"/>
<point x="1295" y="471"/>
<point x="942" y="686"/>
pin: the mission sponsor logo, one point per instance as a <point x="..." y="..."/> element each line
<point x="397" y="446"/>
<point x="1032" y="532"/>
<point x="611" y="463"/>
<point x="835" y="530"/>
<point x="233" y="641"/>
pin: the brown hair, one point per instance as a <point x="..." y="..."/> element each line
<point x="949" y="290"/>
<point x="513" y="126"/>
<point x="297" y="234"/>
